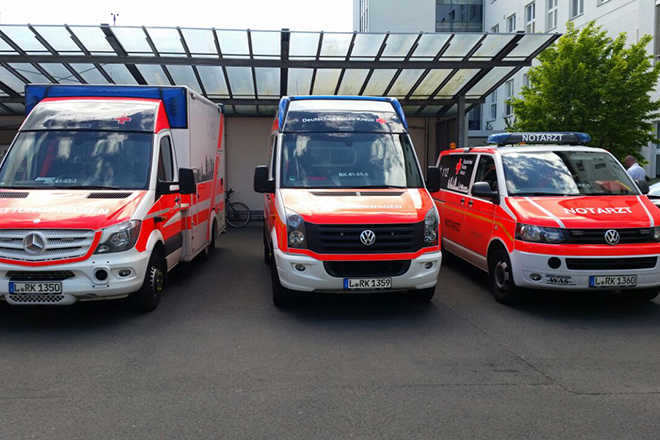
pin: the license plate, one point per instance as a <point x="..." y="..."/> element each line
<point x="613" y="281"/>
<point x="367" y="283"/>
<point x="36" y="288"/>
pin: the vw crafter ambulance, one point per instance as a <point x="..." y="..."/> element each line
<point x="346" y="208"/>
<point x="542" y="211"/>
<point x="107" y="188"/>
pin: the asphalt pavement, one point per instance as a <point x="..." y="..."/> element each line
<point x="218" y="361"/>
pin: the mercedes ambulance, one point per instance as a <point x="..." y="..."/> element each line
<point x="549" y="213"/>
<point x="107" y="188"/>
<point x="346" y="208"/>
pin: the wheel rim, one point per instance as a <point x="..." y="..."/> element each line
<point x="502" y="276"/>
<point x="157" y="281"/>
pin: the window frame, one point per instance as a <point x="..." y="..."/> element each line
<point x="511" y="19"/>
<point x="476" y="173"/>
<point x="552" y="18"/>
<point x="509" y="86"/>
<point x="167" y="137"/>
<point x="571" y="7"/>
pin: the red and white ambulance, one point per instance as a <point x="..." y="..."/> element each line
<point x="346" y="208"/>
<point x="107" y="188"/>
<point x="549" y="214"/>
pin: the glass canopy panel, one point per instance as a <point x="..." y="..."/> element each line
<point x="304" y="45"/>
<point x="233" y="44"/>
<point x="153" y="74"/>
<point x="398" y="46"/>
<point x="429" y="45"/>
<point x="16" y="107"/>
<point x="59" y="38"/>
<point x="431" y="82"/>
<point x="491" y="46"/>
<point x="404" y="82"/>
<point x="119" y="73"/>
<point x="352" y="81"/>
<point x="488" y="82"/>
<point x="326" y="81"/>
<point x="166" y="40"/>
<point x="453" y="111"/>
<point x="461" y="77"/>
<point x="200" y="41"/>
<point x="214" y="81"/>
<point x="30" y="72"/>
<point x="366" y="46"/>
<point x="431" y="109"/>
<point x="60" y="73"/>
<point x="184" y="75"/>
<point x="379" y="81"/>
<point x="410" y="110"/>
<point x="268" y="82"/>
<point x="265" y="44"/>
<point x="11" y="80"/>
<point x="460" y="45"/>
<point x="90" y="73"/>
<point x="245" y="109"/>
<point x="133" y="40"/>
<point x="335" y="46"/>
<point x="527" y="46"/>
<point x="240" y="81"/>
<point x="92" y="38"/>
<point x="267" y="110"/>
<point x="300" y="81"/>
<point x="5" y="48"/>
<point x="23" y="37"/>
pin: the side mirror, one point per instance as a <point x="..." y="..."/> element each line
<point x="433" y="179"/>
<point x="643" y="186"/>
<point x="482" y="190"/>
<point x="187" y="183"/>
<point x="261" y="182"/>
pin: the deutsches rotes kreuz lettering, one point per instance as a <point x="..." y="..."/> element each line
<point x="55" y="210"/>
<point x="338" y="119"/>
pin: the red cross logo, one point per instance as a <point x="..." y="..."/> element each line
<point x="459" y="165"/>
<point x="381" y="120"/>
<point x="123" y="119"/>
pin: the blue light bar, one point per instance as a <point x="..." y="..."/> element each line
<point x="555" y="138"/>
<point x="174" y="98"/>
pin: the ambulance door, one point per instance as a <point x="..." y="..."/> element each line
<point x="169" y="220"/>
<point x="269" y="199"/>
<point x="456" y="173"/>
<point x="480" y="213"/>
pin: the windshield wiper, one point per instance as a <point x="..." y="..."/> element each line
<point x="377" y="187"/>
<point x="543" y="194"/>
<point x="87" y="187"/>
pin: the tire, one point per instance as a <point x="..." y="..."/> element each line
<point x="268" y="255"/>
<point x="281" y="295"/>
<point x="238" y="215"/>
<point x="500" y="279"/>
<point x="643" y="295"/>
<point x="447" y="257"/>
<point x="423" y="295"/>
<point x="148" y="297"/>
<point x="214" y="234"/>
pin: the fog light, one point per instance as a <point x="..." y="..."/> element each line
<point x="554" y="263"/>
<point x="535" y="277"/>
<point x="124" y="272"/>
<point x="428" y="265"/>
<point x="101" y="274"/>
<point x="300" y="267"/>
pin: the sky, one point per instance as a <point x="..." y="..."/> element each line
<point x="297" y="15"/>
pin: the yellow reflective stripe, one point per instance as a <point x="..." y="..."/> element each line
<point x="480" y="217"/>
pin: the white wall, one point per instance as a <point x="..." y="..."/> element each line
<point x="398" y="15"/>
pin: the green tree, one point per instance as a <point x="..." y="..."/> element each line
<point x="589" y="82"/>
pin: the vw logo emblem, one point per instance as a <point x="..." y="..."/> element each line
<point x="367" y="237"/>
<point x="34" y="243"/>
<point x="612" y="237"/>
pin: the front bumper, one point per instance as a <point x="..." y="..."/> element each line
<point x="525" y="264"/>
<point x="83" y="286"/>
<point x="315" y="278"/>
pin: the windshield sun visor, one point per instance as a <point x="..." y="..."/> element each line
<point x="308" y="121"/>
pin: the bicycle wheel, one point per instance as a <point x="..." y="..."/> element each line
<point x="238" y="214"/>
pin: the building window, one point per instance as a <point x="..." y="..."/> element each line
<point x="508" y="94"/>
<point x="511" y="23"/>
<point x="530" y="18"/>
<point x="364" y="15"/>
<point x="552" y="14"/>
<point x="459" y="15"/>
<point x="492" y="104"/>
<point x="525" y="80"/>
<point x="577" y="8"/>
<point x="495" y="29"/>
<point x="474" y="118"/>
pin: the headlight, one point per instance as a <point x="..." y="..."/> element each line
<point x="431" y="222"/>
<point x="295" y="230"/>
<point x="538" y="234"/>
<point x="656" y="233"/>
<point x="120" y="237"/>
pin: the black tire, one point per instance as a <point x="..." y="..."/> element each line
<point x="214" y="233"/>
<point x="281" y="295"/>
<point x="500" y="279"/>
<point x="148" y="297"/>
<point x="268" y="255"/>
<point x="422" y="295"/>
<point x="447" y="257"/>
<point x="643" y="295"/>
<point x="238" y="214"/>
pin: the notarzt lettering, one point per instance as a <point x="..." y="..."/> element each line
<point x="622" y="210"/>
<point x="542" y="137"/>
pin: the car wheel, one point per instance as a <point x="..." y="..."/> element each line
<point x="148" y="297"/>
<point x="643" y="294"/>
<point x="423" y="295"/>
<point x="281" y="295"/>
<point x="214" y="234"/>
<point x="500" y="279"/>
<point x="447" y="257"/>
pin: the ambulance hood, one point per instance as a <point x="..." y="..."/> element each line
<point x="70" y="209"/>
<point x="361" y="206"/>
<point x="586" y="211"/>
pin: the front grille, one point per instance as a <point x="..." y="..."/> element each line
<point x="60" y="244"/>
<point x="36" y="299"/>
<point x="345" y="239"/>
<point x="108" y="195"/>
<point x="13" y="195"/>
<point x="53" y="275"/>
<point x="366" y="268"/>
<point x="611" y="263"/>
<point x="597" y="236"/>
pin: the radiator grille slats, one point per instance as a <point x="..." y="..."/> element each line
<point x="60" y="244"/>
<point x="390" y="238"/>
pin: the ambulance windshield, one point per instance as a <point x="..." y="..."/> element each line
<point x="78" y="160"/>
<point x="565" y="173"/>
<point x="349" y="160"/>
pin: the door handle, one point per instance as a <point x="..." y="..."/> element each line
<point x="470" y="203"/>
<point x="462" y="201"/>
<point x="177" y="200"/>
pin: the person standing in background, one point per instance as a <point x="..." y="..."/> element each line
<point x="634" y="170"/>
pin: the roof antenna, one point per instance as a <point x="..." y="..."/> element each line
<point x="114" y="18"/>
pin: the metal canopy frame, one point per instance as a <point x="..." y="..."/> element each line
<point x="430" y="73"/>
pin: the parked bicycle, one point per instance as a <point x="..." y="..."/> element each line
<point x="237" y="214"/>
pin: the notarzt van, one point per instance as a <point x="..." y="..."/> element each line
<point x="346" y="208"/>
<point x="105" y="189"/>
<point x="559" y="216"/>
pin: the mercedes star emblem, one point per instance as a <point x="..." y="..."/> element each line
<point x="34" y="243"/>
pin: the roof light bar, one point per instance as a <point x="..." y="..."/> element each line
<point x="566" y="138"/>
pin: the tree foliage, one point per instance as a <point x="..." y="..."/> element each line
<point x="589" y="82"/>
